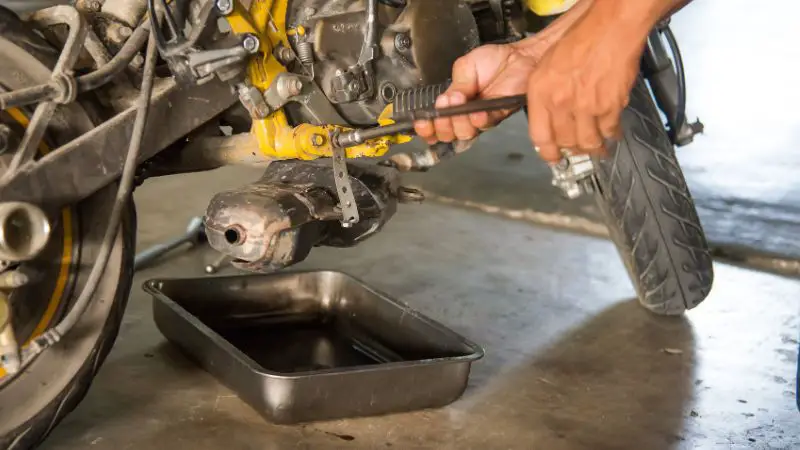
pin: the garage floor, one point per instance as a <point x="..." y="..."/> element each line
<point x="571" y="361"/>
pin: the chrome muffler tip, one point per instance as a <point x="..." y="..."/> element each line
<point x="24" y="231"/>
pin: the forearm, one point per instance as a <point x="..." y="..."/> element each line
<point x="555" y="30"/>
<point x="638" y="16"/>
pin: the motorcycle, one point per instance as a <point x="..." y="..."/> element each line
<point x="97" y="96"/>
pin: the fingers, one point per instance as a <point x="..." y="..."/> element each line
<point x="587" y="134"/>
<point x="465" y="77"/>
<point x="463" y="128"/>
<point x="425" y="130"/>
<point x="444" y="126"/>
<point x="541" y="131"/>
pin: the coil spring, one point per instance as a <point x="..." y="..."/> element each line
<point x="305" y="52"/>
<point x="420" y="97"/>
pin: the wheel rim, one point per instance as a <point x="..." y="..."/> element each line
<point x="37" y="307"/>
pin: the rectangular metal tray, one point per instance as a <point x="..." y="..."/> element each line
<point x="308" y="346"/>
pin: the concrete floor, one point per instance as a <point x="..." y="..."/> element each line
<point x="571" y="361"/>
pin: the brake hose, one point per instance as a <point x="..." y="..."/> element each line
<point x="53" y="335"/>
<point x="680" y="111"/>
<point x="101" y="76"/>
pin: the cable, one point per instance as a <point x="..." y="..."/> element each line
<point x="53" y="335"/>
<point x="88" y="82"/>
<point x="680" y="112"/>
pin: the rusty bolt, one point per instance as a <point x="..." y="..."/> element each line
<point x="317" y="140"/>
<point x="402" y="42"/>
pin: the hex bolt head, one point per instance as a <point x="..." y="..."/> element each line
<point x="296" y="86"/>
<point x="402" y="42"/>
<point x="224" y="7"/>
<point x="317" y="140"/>
<point x="284" y="54"/>
<point x="251" y="43"/>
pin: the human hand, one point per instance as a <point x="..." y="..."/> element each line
<point x="489" y="71"/>
<point x="580" y="87"/>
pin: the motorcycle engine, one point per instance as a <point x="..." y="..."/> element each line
<point x="416" y="44"/>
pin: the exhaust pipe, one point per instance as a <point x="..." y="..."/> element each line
<point x="24" y="231"/>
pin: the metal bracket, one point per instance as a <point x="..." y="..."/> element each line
<point x="573" y="175"/>
<point x="344" y="190"/>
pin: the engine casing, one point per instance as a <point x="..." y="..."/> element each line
<point x="418" y="45"/>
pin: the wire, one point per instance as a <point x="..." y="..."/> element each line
<point x="96" y="79"/>
<point x="53" y="335"/>
<point x="680" y="112"/>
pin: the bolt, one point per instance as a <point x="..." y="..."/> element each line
<point x="224" y="7"/>
<point x="347" y="225"/>
<point x="125" y="32"/>
<point x="317" y="140"/>
<point x="296" y="86"/>
<point x="251" y="43"/>
<point x="354" y="86"/>
<point x="96" y="5"/>
<point x="137" y="61"/>
<point x="402" y="42"/>
<point x="310" y="11"/>
<point x="284" y="54"/>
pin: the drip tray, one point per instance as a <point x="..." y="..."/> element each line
<point x="308" y="346"/>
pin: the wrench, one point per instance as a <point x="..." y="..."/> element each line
<point x="193" y="236"/>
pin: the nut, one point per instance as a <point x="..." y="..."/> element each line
<point x="402" y="42"/>
<point x="137" y="62"/>
<point x="225" y="7"/>
<point x="317" y="140"/>
<point x="251" y="43"/>
<point x="295" y="86"/>
<point x="284" y="54"/>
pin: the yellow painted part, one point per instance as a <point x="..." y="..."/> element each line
<point x="308" y="142"/>
<point x="266" y="19"/>
<point x="66" y="254"/>
<point x="550" y="7"/>
<point x="386" y="119"/>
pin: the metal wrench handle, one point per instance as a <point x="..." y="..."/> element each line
<point x="356" y="137"/>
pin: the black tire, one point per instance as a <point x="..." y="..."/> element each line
<point x="650" y="213"/>
<point x="34" y="402"/>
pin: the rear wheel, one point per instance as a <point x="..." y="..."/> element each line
<point x="34" y="401"/>
<point x="650" y="213"/>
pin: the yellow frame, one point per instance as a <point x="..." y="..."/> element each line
<point x="266" y="19"/>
